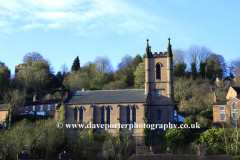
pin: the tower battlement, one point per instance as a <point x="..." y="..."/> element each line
<point x="157" y="54"/>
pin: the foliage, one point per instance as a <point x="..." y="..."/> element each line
<point x="61" y="112"/>
<point x="189" y="120"/>
<point x="179" y="69"/>
<point x="179" y="137"/>
<point x="139" y="80"/>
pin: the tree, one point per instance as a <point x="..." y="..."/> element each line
<point x="219" y="68"/>
<point x="201" y="71"/>
<point x="178" y="57"/>
<point x="4" y="77"/>
<point x="194" y="70"/>
<point x="14" y="98"/>
<point x="76" y="65"/>
<point x="179" y="69"/>
<point x="29" y="58"/>
<point x="139" y="80"/>
<point x="136" y="61"/>
<point x="125" y="68"/>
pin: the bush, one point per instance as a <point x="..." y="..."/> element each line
<point x="189" y="120"/>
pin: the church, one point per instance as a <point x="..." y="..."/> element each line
<point x="154" y="104"/>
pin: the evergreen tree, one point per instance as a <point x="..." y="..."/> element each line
<point x="201" y="72"/>
<point x="76" y="64"/>
<point x="179" y="69"/>
<point x="194" y="70"/>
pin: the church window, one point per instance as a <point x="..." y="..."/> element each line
<point x="81" y="114"/>
<point x="134" y="114"/>
<point x="75" y="114"/>
<point x="128" y="115"/>
<point x="159" y="114"/>
<point x="158" y="72"/>
<point x="102" y="117"/>
<point x="108" y="115"/>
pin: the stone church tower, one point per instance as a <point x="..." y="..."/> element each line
<point x="159" y="85"/>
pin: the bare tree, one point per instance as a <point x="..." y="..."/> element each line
<point x="32" y="57"/>
<point x="178" y="56"/>
<point x="14" y="98"/>
<point x="103" y="65"/>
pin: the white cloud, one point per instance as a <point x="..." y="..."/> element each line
<point x="86" y="17"/>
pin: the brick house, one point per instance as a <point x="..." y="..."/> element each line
<point x="229" y="107"/>
<point x="127" y="106"/>
<point x="40" y="107"/>
<point x="3" y="113"/>
<point x="220" y="81"/>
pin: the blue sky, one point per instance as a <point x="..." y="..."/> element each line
<point x="61" y="30"/>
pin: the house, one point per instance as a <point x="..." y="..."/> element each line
<point x="220" y="81"/>
<point x="224" y="109"/>
<point x="3" y="113"/>
<point x="155" y="103"/>
<point x="40" y="107"/>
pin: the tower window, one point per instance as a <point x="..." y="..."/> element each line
<point x="108" y="115"/>
<point x="102" y="118"/>
<point x="158" y="72"/>
<point x="159" y="114"/>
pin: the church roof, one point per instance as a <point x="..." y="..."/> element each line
<point x="106" y="96"/>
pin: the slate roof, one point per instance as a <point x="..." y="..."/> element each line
<point x="106" y="96"/>
<point x="237" y="89"/>
<point x="221" y="102"/>
<point x="49" y="101"/>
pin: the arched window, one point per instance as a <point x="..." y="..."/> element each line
<point x="133" y="114"/>
<point x="234" y="105"/>
<point x="75" y="114"/>
<point x="128" y="115"/>
<point x="158" y="71"/>
<point x="108" y="115"/>
<point x="102" y="117"/>
<point x="159" y="114"/>
<point x="81" y="115"/>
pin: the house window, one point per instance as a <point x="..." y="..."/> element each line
<point x="159" y="114"/>
<point x="41" y="107"/>
<point x="222" y="108"/>
<point x="102" y="118"/>
<point x="108" y="115"/>
<point x="234" y="105"/>
<point x="48" y="107"/>
<point x="33" y="108"/>
<point x="222" y="115"/>
<point x="55" y="106"/>
<point x="128" y="115"/>
<point x="81" y="115"/>
<point x="175" y="113"/>
<point x="235" y="116"/>
<point x="26" y="109"/>
<point x="158" y="72"/>
<point x="134" y="114"/>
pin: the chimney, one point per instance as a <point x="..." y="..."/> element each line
<point x="201" y="151"/>
<point x="215" y="97"/>
<point x="83" y="89"/>
<point x="65" y="156"/>
<point x="50" y="96"/>
<point x="23" y="155"/>
<point x="169" y="152"/>
<point x="34" y="97"/>
<point x="66" y="94"/>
